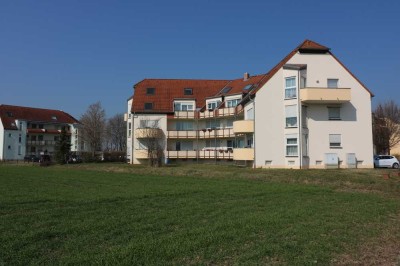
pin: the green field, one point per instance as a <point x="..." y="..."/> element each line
<point x="120" y="214"/>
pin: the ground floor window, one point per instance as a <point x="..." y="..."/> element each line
<point x="291" y="145"/>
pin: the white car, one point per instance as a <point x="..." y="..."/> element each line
<point x="386" y="161"/>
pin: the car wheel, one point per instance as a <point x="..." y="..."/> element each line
<point x="396" y="166"/>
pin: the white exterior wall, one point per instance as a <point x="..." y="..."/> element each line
<point x="136" y="118"/>
<point x="129" y="132"/>
<point x="11" y="138"/>
<point x="355" y="125"/>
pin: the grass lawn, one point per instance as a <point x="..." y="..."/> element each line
<point x="120" y="214"/>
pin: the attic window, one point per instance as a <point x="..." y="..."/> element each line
<point x="148" y="106"/>
<point x="226" y="90"/>
<point x="188" y="91"/>
<point x="54" y="117"/>
<point x="247" y="87"/>
<point x="10" y="114"/>
<point x="150" y="91"/>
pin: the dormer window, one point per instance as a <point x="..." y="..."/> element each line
<point x="213" y="105"/>
<point x="148" y="106"/>
<point x="54" y="117"/>
<point x="150" y="91"/>
<point x="188" y="91"/>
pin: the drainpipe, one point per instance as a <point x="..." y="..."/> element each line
<point x="299" y="122"/>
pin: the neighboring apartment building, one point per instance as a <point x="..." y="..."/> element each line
<point x="34" y="131"/>
<point x="308" y="111"/>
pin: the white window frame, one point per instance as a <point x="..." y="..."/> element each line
<point x="184" y="125"/>
<point x="183" y="106"/>
<point x="332" y="83"/>
<point x="290" y="89"/>
<point x="213" y="105"/>
<point x="332" y="115"/>
<point x="290" y="114"/>
<point x="232" y="102"/>
<point x="148" y="123"/>
<point x="335" y="141"/>
<point x="290" y="145"/>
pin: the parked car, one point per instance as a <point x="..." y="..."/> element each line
<point x="31" y="158"/>
<point x="386" y="161"/>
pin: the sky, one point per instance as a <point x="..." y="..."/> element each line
<point x="66" y="55"/>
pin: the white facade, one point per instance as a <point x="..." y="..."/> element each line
<point x="311" y="112"/>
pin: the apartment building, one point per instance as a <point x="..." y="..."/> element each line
<point x="308" y="111"/>
<point x="34" y="131"/>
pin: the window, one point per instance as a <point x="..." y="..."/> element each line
<point x="150" y="91"/>
<point x="33" y="149"/>
<point x="229" y="123"/>
<point x="19" y="150"/>
<point x="10" y="114"/>
<point x="333" y="83"/>
<point x="148" y="106"/>
<point x="250" y="114"/>
<point x="226" y="90"/>
<point x="54" y="117"/>
<point x="33" y="138"/>
<point x="9" y="147"/>
<point x="9" y="135"/>
<point x="188" y="91"/>
<point x="213" y="124"/>
<point x="41" y="126"/>
<point x="56" y="138"/>
<point x="184" y="125"/>
<point x="334" y="113"/>
<point x="335" y="140"/>
<point x="291" y="145"/>
<point x="229" y="143"/>
<point x="232" y="103"/>
<point x="184" y="145"/>
<point x="247" y="87"/>
<point x="290" y="88"/>
<point x="148" y="124"/>
<point x="20" y="138"/>
<point x="291" y="115"/>
<point x="33" y="125"/>
<point x="40" y="138"/>
<point x="213" y="105"/>
<point x="183" y="106"/>
<point x="303" y="82"/>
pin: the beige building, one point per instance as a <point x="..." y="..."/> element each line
<point x="308" y="111"/>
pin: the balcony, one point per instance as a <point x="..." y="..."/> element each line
<point x="202" y="154"/>
<point x="184" y="114"/>
<point x="41" y="142"/>
<point x="208" y="133"/>
<point x="181" y="134"/>
<point x="325" y="95"/>
<point x="146" y="133"/>
<point x="140" y="154"/>
<point x="221" y="112"/>
<point x="243" y="126"/>
<point x="243" y="154"/>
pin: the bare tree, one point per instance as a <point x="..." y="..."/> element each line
<point x="93" y="129"/>
<point x="116" y="133"/>
<point x="386" y="126"/>
<point x="153" y="140"/>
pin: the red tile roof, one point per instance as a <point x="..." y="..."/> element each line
<point x="10" y="113"/>
<point x="166" y="90"/>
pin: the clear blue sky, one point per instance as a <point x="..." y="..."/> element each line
<point x="69" y="54"/>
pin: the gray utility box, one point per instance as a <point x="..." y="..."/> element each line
<point x="331" y="160"/>
<point x="351" y="160"/>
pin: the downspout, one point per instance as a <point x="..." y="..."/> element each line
<point x="132" y="137"/>
<point x="299" y="122"/>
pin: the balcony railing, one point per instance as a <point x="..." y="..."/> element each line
<point x="325" y="95"/>
<point x="202" y="154"/>
<point x="182" y="134"/>
<point x="41" y="142"/>
<point x="143" y="133"/>
<point x="184" y="114"/>
<point x="140" y="154"/>
<point x="221" y="112"/>
<point x="243" y="126"/>
<point x="216" y="133"/>
<point x="243" y="154"/>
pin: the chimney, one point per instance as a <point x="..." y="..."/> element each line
<point x="246" y="76"/>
